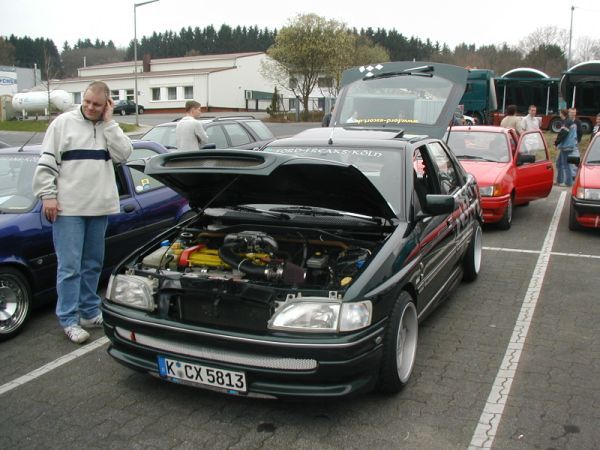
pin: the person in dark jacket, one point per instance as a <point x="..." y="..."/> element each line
<point x="327" y="118"/>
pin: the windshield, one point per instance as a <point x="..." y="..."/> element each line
<point x="593" y="154"/>
<point x="479" y="145"/>
<point x="163" y="135"/>
<point x="394" y="101"/>
<point x="383" y="167"/>
<point x="16" y="174"/>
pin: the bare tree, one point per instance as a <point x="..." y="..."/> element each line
<point x="549" y="35"/>
<point x="50" y="71"/>
<point x="587" y="49"/>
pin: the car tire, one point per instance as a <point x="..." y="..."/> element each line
<point x="399" y="346"/>
<point x="140" y="110"/>
<point x="555" y="124"/>
<point x="506" y="220"/>
<point x="15" y="302"/>
<point x="122" y="112"/>
<point x="472" y="259"/>
<point x="573" y="224"/>
<point x="586" y="126"/>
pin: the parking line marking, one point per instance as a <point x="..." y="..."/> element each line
<point x="517" y="250"/>
<point x="490" y="418"/>
<point x="52" y="365"/>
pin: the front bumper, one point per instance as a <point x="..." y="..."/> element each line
<point x="494" y="208"/>
<point x="275" y="366"/>
<point x="587" y="212"/>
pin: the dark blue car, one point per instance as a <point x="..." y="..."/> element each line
<point x="27" y="258"/>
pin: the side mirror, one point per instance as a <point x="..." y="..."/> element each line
<point x="574" y="159"/>
<point x="440" y="204"/>
<point x="525" y="158"/>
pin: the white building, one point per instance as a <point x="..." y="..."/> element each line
<point x="219" y="82"/>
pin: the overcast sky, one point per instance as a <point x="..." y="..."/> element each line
<point x="446" y="21"/>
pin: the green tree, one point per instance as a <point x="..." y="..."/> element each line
<point x="7" y="52"/>
<point x="303" y="51"/>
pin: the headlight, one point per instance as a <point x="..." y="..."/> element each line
<point x="131" y="290"/>
<point x="316" y="315"/>
<point x="591" y="194"/>
<point x="490" y="191"/>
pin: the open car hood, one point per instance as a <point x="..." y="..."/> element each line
<point x="220" y="178"/>
<point x="418" y="98"/>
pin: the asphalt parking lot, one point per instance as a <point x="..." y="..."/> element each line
<point x="510" y="361"/>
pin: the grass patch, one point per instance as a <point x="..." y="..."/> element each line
<point x="24" y="125"/>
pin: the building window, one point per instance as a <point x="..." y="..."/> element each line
<point x="172" y="93"/>
<point x="129" y="94"/>
<point x="77" y="98"/>
<point x="155" y="94"/>
<point x="188" y="92"/>
<point x="325" y="82"/>
<point x="114" y="95"/>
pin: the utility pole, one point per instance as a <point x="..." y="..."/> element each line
<point x="135" y="71"/>
<point x="570" y="38"/>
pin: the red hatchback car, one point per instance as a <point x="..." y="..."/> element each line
<point x="510" y="169"/>
<point x="585" y="196"/>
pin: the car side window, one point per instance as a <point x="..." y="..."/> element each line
<point x="533" y="144"/>
<point x="447" y="174"/>
<point x="216" y="136"/>
<point x="260" y="129"/>
<point x="237" y="134"/>
<point x="142" y="182"/>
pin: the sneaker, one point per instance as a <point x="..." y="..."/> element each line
<point x="76" y="334"/>
<point x="94" y="322"/>
<point x="562" y="185"/>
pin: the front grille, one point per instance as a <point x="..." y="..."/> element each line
<point x="217" y="355"/>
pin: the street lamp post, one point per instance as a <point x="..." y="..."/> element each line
<point x="135" y="70"/>
<point x="570" y="38"/>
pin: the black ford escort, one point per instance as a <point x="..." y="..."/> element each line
<point x="309" y="265"/>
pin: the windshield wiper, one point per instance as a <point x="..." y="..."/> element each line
<point x="423" y="71"/>
<point x="595" y="161"/>
<point x="316" y="211"/>
<point x="479" y="158"/>
<point x="276" y="215"/>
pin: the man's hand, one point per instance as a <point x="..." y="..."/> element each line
<point x="50" y="209"/>
<point x="108" y="110"/>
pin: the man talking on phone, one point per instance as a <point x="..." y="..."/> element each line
<point x="75" y="179"/>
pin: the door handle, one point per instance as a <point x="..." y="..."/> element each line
<point x="128" y="208"/>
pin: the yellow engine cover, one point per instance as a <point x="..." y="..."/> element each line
<point x="210" y="257"/>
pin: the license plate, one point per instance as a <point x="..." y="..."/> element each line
<point x="195" y="373"/>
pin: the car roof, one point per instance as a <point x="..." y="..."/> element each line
<point x="486" y="128"/>
<point x="213" y="120"/>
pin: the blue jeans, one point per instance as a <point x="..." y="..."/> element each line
<point x="563" y="170"/>
<point x="79" y="246"/>
<point x="573" y="167"/>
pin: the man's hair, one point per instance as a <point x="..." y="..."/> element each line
<point x="511" y="110"/>
<point x="192" y="104"/>
<point x="98" y="87"/>
<point x="532" y="106"/>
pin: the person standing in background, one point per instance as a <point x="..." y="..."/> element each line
<point x="530" y="121"/>
<point x="190" y="133"/>
<point x="75" y="179"/>
<point x="573" y="118"/>
<point x="596" y="128"/>
<point x="511" y="120"/>
<point x="565" y="142"/>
